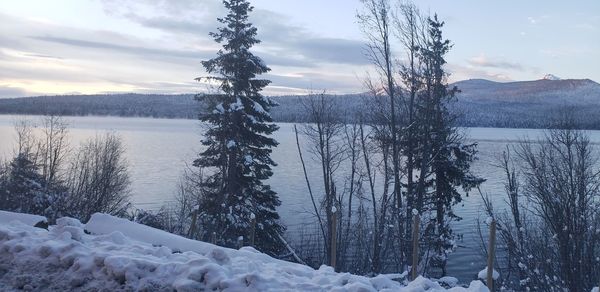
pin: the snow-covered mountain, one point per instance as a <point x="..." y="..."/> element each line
<point x="529" y="104"/>
<point x="549" y="90"/>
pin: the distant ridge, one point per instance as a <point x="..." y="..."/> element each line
<point x="549" y="91"/>
<point x="481" y="102"/>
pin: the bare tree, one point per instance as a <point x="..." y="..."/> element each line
<point x="562" y="180"/>
<point x="53" y="148"/>
<point x="375" y="21"/>
<point x="550" y="231"/>
<point x="328" y="148"/>
<point x="410" y="27"/>
<point x="26" y="142"/>
<point x="98" y="179"/>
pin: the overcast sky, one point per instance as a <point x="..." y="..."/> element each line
<point x="152" y="46"/>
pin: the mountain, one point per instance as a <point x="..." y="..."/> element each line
<point x="527" y="104"/>
<point x="547" y="91"/>
<point x="484" y="103"/>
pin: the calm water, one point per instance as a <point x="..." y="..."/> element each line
<point x="159" y="149"/>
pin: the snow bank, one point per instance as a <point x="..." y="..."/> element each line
<point x="121" y="255"/>
<point x="29" y="219"/>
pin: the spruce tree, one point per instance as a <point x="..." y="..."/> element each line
<point x="450" y="156"/>
<point x="237" y="141"/>
<point x="24" y="187"/>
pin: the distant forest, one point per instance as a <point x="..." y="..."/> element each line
<point x="473" y="112"/>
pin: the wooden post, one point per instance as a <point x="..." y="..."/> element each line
<point x="240" y="242"/>
<point x="490" y="259"/>
<point x="252" y="228"/>
<point x="193" y="226"/>
<point x="333" y="237"/>
<point x="213" y="238"/>
<point x="415" y="246"/>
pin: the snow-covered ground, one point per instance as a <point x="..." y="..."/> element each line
<point x="113" y="254"/>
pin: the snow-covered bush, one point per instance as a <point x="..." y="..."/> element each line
<point x="39" y="181"/>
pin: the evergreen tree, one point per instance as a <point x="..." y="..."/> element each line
<point x="237" y="141"/>
<point x="450" y="157"/>
<point x="23" y="189"/>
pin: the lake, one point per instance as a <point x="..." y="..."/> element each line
<point x="159" y="149"/>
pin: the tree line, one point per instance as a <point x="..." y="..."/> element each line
<point x="472" y="113"/>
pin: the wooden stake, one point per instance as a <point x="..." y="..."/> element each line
<point x="333" y="237"/>
<point x="252" y="228"/>
<point x="193" y="226"/>
<point x="240" y="242"/>
<point x="415" y="246"/>
<point x="490" y="259"/>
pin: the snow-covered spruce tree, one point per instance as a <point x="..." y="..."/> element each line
<point x="23" y="189"/>
<point x="237" y="141"/>
<point x="443" y="144"/>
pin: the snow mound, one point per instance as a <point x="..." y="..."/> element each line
<point x="28" y="219"/>
<point x="449" y="281"/>
<point x="120" y="255"/>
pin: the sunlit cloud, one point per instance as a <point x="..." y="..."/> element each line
<point x="157" y="46"/>
<point x="484" y="61"/>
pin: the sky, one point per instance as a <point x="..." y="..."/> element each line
<point x="156" y="46"/>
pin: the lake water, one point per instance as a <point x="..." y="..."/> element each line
<point x="159" y="149"/>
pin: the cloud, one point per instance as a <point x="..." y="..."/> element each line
<point x="538" y="19"/>
<point x="42" y="56"/>
<point x="317" y="81"/>
<point x="9" y="92"/>
<point x="160" y="51"/>
<point x="484" y="61"/>
<point x="461" y="72"/>
<point x="135" y="50"/>
<point x="279" y="37"/>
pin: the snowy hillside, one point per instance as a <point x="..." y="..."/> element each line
<point x="119" y="255"/>
<point x="549" y="90"/>
<point x="528" y="104"/>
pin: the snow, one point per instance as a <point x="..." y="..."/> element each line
<point x="237" y="105"/>
<point x="230" y="144"/>
<point x="415" y="212"/>
<point x="449" y="281"/>
<point x="31" y="220"/>
<point x="248" y="160"/>
<point x="551" y="77"/>
<point x="483" y="274"/>
<point x="596" y="289"/>
<point x="219" y="109"/>
<point x="116" y="255"/>
<point x="258" y="108"/>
